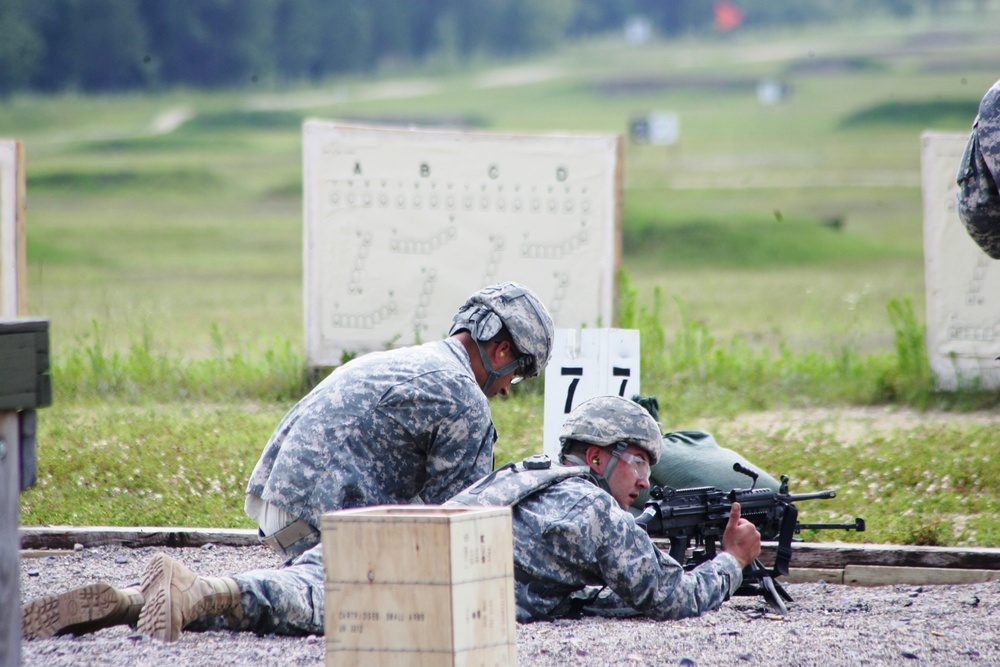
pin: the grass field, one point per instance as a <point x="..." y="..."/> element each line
<point x="167" y="256"/>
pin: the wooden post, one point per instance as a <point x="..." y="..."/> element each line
<point x="10" y="610"/>
<point x="13" y="270"/>
<point x="24" y="386"/>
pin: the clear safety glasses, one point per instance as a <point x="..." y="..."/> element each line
<point x="638" y="463"/>
<point x="524" y="364"/>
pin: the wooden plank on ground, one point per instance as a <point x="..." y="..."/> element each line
<point x="812" y="575"/>
<point x="838" y="555"/>
<point x="876" y="575"/>
<point x="66" y="537"/>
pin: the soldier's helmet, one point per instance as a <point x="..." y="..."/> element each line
<point x="607" y="420"/>
<point x="518" y="309"/>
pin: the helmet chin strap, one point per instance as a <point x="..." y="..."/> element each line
<point x="602" y="480"/>
<point x="494" y="374"/>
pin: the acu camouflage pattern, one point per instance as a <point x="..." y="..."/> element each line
<point x="286" y="601"/>
<point x="396" y="427"/>
<point x="979" y="174"/>
<point x="513" y="483"/>
<point x="606" y="420"/>
<point x="577" y="552"/>
<point x="517" y="308"/>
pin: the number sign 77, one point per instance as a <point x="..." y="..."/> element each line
<point x="587" y="363"/>
<point x="577" y="371"/>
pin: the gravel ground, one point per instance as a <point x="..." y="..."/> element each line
<point x="826" y="625"/>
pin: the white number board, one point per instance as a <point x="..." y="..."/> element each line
<point x="587" y="363"/>
<point x="402" y="225"/>
<point x="12" y="248"/>
<point x="963" y="282"/>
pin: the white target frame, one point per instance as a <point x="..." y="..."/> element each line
<point x="401" y="225"/>
<point x="963" y="282"/>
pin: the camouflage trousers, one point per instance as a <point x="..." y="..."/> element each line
<point x="286" y="601"/>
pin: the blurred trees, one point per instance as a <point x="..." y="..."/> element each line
<point x="100" y="45"/>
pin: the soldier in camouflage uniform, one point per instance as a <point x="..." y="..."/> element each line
<point x="576" y="549"/>
<point x="979" y="176"/>
<point x="403" y="426"/>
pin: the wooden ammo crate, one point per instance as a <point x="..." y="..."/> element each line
<point x="419" y="585"/>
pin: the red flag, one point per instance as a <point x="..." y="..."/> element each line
<point x="727" y="15"/>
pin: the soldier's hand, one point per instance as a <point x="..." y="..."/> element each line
<point x="741" y="539"/>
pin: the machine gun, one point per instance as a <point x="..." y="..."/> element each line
<point x="700" y="515"/>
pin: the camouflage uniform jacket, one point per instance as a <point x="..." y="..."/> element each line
<point x="571" y="539"/>
<point x="403" y="426"/>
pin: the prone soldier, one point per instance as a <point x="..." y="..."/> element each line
<point x="577" y="550"/>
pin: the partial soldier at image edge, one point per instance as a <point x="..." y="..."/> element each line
<point x="978" y="198"/>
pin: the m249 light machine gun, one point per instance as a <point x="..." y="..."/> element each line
<point x="696" y="518"/>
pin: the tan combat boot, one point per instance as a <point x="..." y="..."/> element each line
<point x="176" y="596"/>
<point x="79" y="611"/>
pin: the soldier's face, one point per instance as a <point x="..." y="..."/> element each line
<point x="630" y="476"/>
<point x="501" y="386"/>
<point x="502" y="354"/>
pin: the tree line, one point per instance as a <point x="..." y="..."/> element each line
<point x="108" y="45"/>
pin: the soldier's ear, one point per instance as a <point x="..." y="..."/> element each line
<point x="594" y="457"/>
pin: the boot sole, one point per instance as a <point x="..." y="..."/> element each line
<point x="79" y="611"/>
<point x="155" y="619"/>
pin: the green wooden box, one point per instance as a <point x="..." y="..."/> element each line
<point x="25" y="382"/>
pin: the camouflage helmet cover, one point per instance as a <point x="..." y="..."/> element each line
<point x="606" y="420"/>
<point x="518" y="309"/>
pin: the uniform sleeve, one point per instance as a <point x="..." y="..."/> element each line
<point x="645" y="578"/>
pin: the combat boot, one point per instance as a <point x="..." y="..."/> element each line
<point x="175" y="596"/>
<point x="86" y="609"/>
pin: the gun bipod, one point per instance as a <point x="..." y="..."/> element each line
<point x="758" y="580"/>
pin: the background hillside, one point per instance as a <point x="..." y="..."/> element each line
<point x="773" y="258"/>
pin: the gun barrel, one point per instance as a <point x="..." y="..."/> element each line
<point x="795" y="497"/>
